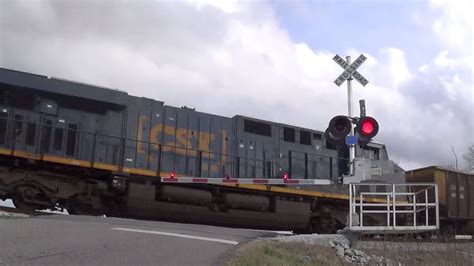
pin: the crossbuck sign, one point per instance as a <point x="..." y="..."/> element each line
<point x="350" y="70"/>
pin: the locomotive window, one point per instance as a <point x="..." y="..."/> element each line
<point x="58" y="139"/>
<point x="71" y="139"/>
<point x="289" y="134"/>
<point x="317" y="136"/>
<point x="30" y="134"/>
<point x="3" y="127"/>
<point x="18" y="124"/>
<point x="21" y="98"/>
<point x="258" y="128"/>
<point x="305" y="137"/>
<point x="46" y="137"/>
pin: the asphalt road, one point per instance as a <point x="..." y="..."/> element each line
<point x="86" y="240"/>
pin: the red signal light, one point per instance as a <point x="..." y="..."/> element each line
<point x="367" y="127"/>
<point x="285" y="176"/>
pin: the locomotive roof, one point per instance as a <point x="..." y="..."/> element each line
<point x="55" y="85"/>
<point x="93" y="92"/>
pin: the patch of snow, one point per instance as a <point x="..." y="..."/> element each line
<point x="7" y="203"/>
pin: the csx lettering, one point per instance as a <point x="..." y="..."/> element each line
<point x="181" y="143"/>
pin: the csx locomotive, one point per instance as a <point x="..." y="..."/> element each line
<point x="93" y="150"/>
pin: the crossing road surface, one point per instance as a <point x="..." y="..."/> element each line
<point x="86" y="240"/>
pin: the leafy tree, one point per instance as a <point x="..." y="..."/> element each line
<point x="469" y="158"/>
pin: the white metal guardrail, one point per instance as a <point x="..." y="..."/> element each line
<point x="393" y="208"/>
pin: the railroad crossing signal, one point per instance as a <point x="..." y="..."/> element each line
<point x="348" y="74"/>
<point x="350" y="70"/>
<point x="339" y="129"/>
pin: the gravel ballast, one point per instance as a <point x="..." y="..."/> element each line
<point x="391" y="252"/>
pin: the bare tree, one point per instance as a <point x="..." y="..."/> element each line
<point x="469" y="158"/>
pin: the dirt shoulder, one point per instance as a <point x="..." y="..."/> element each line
<point x="320" y="251"/>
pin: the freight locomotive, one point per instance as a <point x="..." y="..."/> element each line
<point x="93" y="150"/>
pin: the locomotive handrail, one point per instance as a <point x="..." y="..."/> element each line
<point x="147" y="142"/>
<point x="225" y="158"/>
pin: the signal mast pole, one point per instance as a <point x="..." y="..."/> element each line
<point x="349" y="74"/>
<point x="349" y="106"/>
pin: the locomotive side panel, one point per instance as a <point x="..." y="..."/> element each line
<point x="59" y="128"/>
<point x="143" y="136"/>
<point x="304" y="154"/>
<point x="256" y="148"/>
<point x="192" y="141"/>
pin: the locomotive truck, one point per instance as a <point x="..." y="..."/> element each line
<point x="93" y="150"/>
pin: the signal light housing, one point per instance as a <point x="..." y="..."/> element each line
<point x="339" y="127"/>
<point x="366" y="128"/>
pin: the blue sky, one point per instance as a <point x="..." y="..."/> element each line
<point x="364" y="25"/>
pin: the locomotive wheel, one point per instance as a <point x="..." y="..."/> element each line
<point x="25" y="197"/>
<point x="21" y="204"/>
<point x="75" y="207"/>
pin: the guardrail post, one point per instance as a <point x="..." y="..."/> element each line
<point x="414" y="210"/>
<point x="426" y="207"/>
<point x="350" y="205"/>
<point x="437" y="206"/>
<point x="388" y="209"/>
<point x="394" y="225"/>
<point x="361" y="204"/>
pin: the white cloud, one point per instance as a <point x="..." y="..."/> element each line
<point x="455" y="25"/>
<point x="396" y="72"/>
<point x="235" y="58"/>
<point x="442" y="60"/>
<point x="227" y="6"/>
<point x="424" y="68"/>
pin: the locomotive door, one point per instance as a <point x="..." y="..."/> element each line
<point x="29" y="139"/>
<point x="23" y="132"/>
<point x="6" y="124"/>
<point x="46" y="134"/>
<point x="246" y="158"/>
<point x="57" y="136"/>
<point x="64" y="137"/>
<point x="251" y="158"/>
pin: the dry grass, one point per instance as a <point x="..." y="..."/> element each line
<point x="261" y="252"/>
